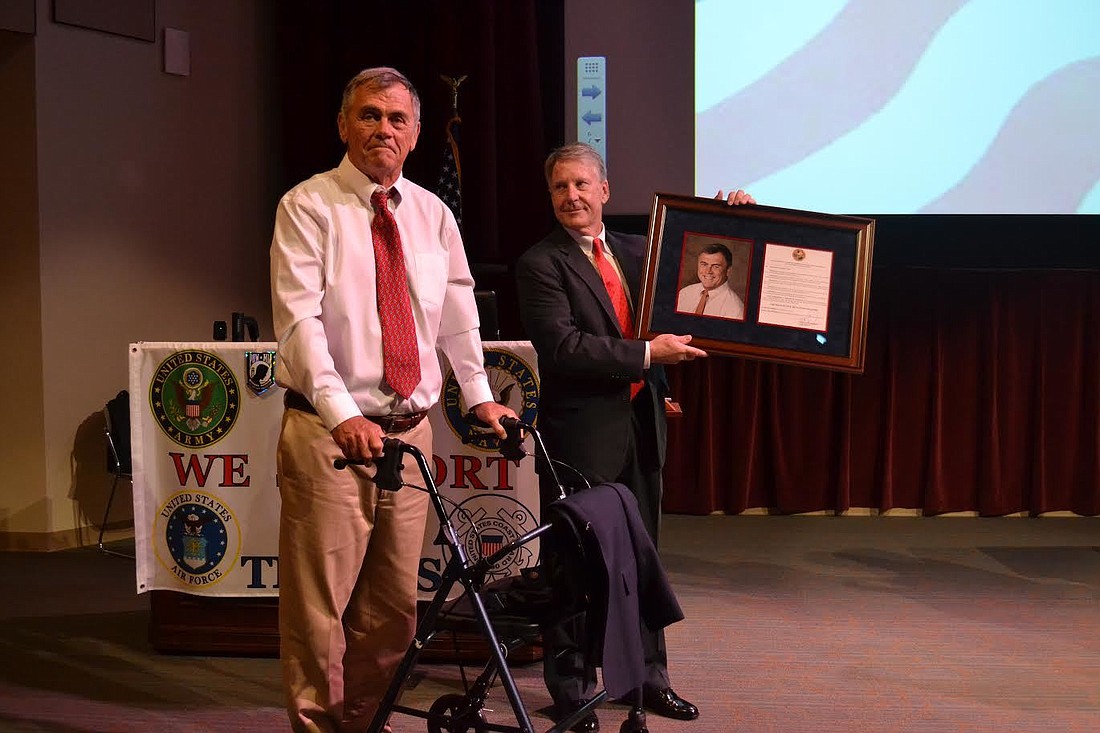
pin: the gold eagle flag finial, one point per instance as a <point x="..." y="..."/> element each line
<point x="453" y="82"/>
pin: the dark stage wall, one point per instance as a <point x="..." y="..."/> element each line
<point x="982" y="386"/>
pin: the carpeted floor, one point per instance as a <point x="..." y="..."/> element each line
<point x="794" y="625"/>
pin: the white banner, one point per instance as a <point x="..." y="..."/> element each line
<point x="491" y="501"/>
<point x="205" y="424"/>
<point x="206" y="502"/>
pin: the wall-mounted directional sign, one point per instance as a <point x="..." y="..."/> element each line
<point x="592" y="103"/>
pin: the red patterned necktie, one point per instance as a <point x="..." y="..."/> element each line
<point x="617" y="292"/>
<point x="400" y="353"/>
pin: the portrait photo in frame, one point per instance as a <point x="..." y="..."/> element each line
<point x="705" y="258"/>
<point x="802" y="279"/>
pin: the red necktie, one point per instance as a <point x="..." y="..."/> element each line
<point x="400" y="353"/>
<point x="615" y="290"/>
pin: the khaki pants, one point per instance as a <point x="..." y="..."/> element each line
<point x="348" y="561"/>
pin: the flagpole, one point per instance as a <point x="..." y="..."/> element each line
<point x="449" y="188"/>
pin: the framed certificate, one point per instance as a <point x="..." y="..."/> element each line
<point x="758" y="281"/>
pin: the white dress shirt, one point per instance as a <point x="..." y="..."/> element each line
<point x="325" y="303"/>
<point x="721" y="302"/>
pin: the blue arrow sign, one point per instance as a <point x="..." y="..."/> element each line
<point x="592" y="103"/>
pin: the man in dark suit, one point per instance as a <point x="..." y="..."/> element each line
<point x="601" y="407"/>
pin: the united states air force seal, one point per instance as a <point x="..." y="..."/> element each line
<point x="514" y="384"/>
<point x="199" y="538"/>
<point x="195" y="398"/>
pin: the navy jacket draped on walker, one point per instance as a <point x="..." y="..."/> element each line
<point x="637" y="590"/>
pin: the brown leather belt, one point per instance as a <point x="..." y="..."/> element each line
<point x="388" y="423"/>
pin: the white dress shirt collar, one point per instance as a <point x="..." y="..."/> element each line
<point x="585" y="241"/>
<point x="364" y="187"/>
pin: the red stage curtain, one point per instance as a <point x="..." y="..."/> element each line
<point x="981" y="393"/>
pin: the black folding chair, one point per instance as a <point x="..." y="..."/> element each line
<point x="116" y="417"/>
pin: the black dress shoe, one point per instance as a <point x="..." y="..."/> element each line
<point x="588" y="724"/>
<point x="668" y="704"/>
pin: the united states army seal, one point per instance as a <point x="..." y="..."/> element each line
<point x="195" y="398"/>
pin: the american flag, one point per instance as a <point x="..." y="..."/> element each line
<point x="449" y="188"/>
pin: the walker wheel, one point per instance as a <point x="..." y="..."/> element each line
<point x="455" y="714"/>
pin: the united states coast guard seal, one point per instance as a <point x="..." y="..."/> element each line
<point x="486" y="523"/>
<point x="514" y="385"/>
<point x="195" y="398"/>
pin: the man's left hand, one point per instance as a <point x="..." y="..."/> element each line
<point x="490" y="413"/>
<point x="736" y="198"/>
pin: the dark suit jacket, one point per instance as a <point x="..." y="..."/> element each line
<point x="585" y="363"/>
<point x="633" y="590"/>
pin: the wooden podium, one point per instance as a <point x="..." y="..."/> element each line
<point x="181" y="623"/>
<point x="206" y="501"/>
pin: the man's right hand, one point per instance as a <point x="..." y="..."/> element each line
<point x="668" y="348"/>
<point x="359" y="439"/>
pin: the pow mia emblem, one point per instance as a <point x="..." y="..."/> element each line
<point x="260" y="367"/>
<point x="514" y="385"/>
<point x="195" y="398"/>
<point x="199" y="538"/>
<point x="486" y="523"/>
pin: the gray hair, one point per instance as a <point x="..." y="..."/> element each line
<point x="575" y="151"/>
<point x="376" y="79"/>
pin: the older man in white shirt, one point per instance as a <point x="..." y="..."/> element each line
<point x="368" y="278"/>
